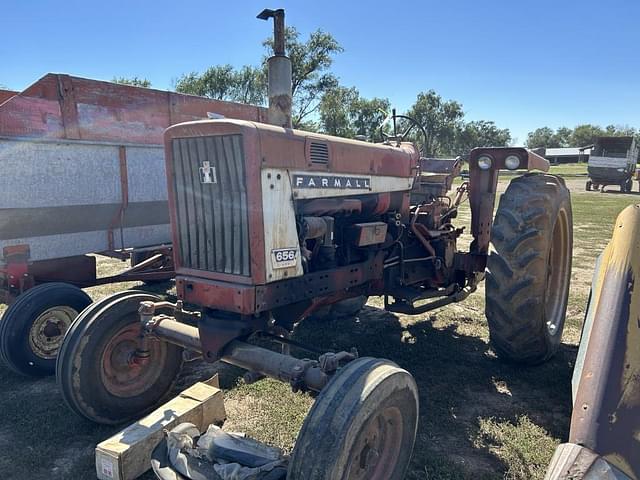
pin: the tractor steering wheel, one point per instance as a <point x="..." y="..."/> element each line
<point x="400" y="137"/>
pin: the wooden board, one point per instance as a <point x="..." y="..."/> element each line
<point x="127" y="454"/>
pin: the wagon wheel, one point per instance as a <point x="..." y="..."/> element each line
<point x="32" y="328"/>
<point x="95" y="370"/>
<point x="362" y="425"/>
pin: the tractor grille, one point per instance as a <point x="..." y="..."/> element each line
<point x="211" y="203"/>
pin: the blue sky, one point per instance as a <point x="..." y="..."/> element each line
<point x="521" y="64"/>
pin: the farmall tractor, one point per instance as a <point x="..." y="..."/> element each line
<point x="271" y="225"/>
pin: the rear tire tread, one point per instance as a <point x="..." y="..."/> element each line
<point x="516" y="269"/>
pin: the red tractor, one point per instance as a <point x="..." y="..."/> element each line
<point x="271" y="225"/>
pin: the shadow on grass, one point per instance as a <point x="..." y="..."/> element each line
<point x="460" y="381"/>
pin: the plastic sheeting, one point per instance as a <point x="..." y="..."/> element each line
<point x="220" y="455"/>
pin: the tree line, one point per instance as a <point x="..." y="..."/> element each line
<point x="580" y="136"/>
<point x="322" y="104"/>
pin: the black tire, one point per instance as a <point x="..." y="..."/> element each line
<point x="529" y="269"/>
<point x="365" y="394"/>
<point x="33" y="327"/>
<point x="629" y="186"/>
<point x="93" y="384"/>
<point x="588" y="186"/>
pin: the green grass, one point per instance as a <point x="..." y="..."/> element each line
<point x="480" y="418"/>
<point x="569" y="169"/>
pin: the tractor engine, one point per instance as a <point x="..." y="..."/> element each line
<point x="288" y="221"/>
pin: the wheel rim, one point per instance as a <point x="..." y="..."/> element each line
<point x="376" y="449"/>
<point x="557" y="280"/>
<point x="120" y="374"/>
<point x="48" y="329"/>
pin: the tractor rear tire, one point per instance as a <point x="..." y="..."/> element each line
<point x="529" y="269"/>
<point x="94" y="370"/>
<point x="33" y="327"/>
<point x="362" y="425"/>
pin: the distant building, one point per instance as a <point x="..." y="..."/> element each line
<point x="567" y="155"/>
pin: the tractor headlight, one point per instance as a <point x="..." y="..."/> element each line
<point x="484" y="162"/>
<point x="512" y="162"/>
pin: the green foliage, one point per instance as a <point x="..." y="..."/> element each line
<point x="344" y="113"/>
<point x="480" y="133"/>
<point x="133" y="81"/>
<point x="310" y="64"/>
<point x="224" y="82"/>
<point x="586" y="135"/>
<point x="543" y="137"/>
<point x="441" y="120"/>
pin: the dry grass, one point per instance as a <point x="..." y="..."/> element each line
<point x="479" y="417"/>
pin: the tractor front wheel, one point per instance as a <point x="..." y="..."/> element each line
<point x="97" y="370"/>
<point x="361" y="426"/>
<point x="529" y="269"/>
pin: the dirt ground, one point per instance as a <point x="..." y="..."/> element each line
<point x="479" y="417"/>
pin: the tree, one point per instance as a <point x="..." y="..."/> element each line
<point x="480" y="133"/>
<point x="563" y="136"/>
<point x="133" y="81"/>
<point x="586" y="135"/>
<point x="310" y="62"/>
<point x="369" y="115"/>
<point x="441" y="120"/>
<point x="224" y="82"/>
<point x="621" y="131"/>
<point x="344" y="113"/>
<point x="543" y="137"/>
<point x="336" y="111"/>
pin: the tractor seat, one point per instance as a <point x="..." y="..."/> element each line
<point x="437" y="174"/>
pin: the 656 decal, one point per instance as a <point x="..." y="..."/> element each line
<point x="284" y="257"/>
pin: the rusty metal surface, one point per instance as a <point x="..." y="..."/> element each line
<point x="66" y="107"/>
<point x="573" y="462"/>
<point x="228" y="296"/>
<point x="250" y="299"/>
<point x="6" y="95"/>
<point x="606" y="416"/>
<point x="482" y="188"/>
<point x="279" y="77"/>
<point x="529" y="160"/>
<point x="91" y="151"/>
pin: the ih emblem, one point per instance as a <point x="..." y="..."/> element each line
<point x="208" y="173"/>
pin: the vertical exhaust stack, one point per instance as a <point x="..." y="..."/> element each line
<point x="280" y="97"/>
